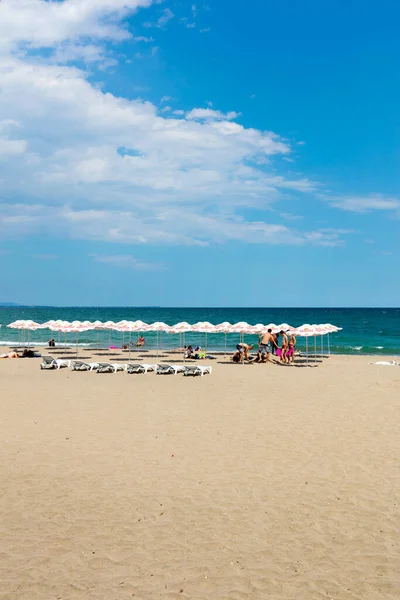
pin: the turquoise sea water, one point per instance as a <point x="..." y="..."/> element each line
<point x="365" y="330"/>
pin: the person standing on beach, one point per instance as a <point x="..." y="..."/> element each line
<point x="284" y="347"/>
<point x="275" y="346"/>
<point x="267" y="342"/>
<point x="291" y="347"/>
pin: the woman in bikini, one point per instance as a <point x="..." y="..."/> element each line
<point x="284" y="347"/>
<point x="291" y="347"/>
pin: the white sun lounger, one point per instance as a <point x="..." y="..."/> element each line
<point x="197" y="370"/>
<point x="140" y="368"/>
<point x="163" y="369"/>
<point x="84" y="366"/>
<point x="48" y="362"/>
<point x="111" y="367"/>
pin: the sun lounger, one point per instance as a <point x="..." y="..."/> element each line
<point x="61" y="362"/>
<point x="134" y="369"/>
<point x="163" y="369"/>
<point x="140" y="368"/>
<point x="197" y="370"/>
<point x="111" y="367"/>
<point x="148" y="368"/>
<point x="84" y="366"/>
<point x="48" y="362"/>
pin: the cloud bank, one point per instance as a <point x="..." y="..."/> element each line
<point x="87" y="164"/>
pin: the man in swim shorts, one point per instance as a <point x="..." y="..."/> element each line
<point x="242" y="352"/>
<point x="266" y="342"/>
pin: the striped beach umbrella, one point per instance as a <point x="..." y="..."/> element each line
<point x="159" y="327"/>
<point x="25" y="325"/>
<point x="204" y="327"/>
<point x="181" y="328"/>
<point x="74" y="327"/>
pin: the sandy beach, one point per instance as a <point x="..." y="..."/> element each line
<point x="255" y="482"/>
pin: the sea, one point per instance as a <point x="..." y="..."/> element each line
<point x="364" y="330"/>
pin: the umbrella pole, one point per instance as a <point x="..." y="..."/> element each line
<point x="315" y="348"/>
<point x="109" y="343"/>
<point x="329" y="346"/>
<point x="225" y="344"/>
<point x="157" y="342"/>
<point x="129" y="346"/>
<point x="307" y="349"/>
<point x="76" y="344"/>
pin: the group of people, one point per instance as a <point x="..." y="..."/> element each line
<point x="198" y="353"/>
<point x="139" y="344"/>
<point x="268" y="344"/>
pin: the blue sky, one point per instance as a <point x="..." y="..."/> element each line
<point x="204" y="154"/>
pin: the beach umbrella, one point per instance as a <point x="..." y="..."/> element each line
<point x="97" y="326"/>
<point x="306" y="331"/>
<point x="330" y="329"/>
<point x="16" y="325"/>
<point x="320" y="330"/>
<point x="181" y="328"/>
<point x="106" y="326"/>
<point x="158" y="327"/>
<point x="204" y="327"/>
<point x="284" y="327"/>
<point x="27" y="325"/>
<point x="224" y="328"/>
<point x="74" y="327"/>
<point x="124" y="327"/>
<point x="57" y="325"/>
<point x="129" y="327"/>
<point x="242" y="327"/>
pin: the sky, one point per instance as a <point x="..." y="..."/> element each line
<point x="173" y="153"/>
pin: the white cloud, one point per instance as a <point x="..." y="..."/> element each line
<point x="144" y="39"/>
<point x="363" y="204"/>
<point x="87" y="164"/>
<point x="212" y="115"/>
<point x="42" y="24"/>
<point x="290" y="217"/>
<point x="185" y="225"/>
<point x="127" y="261"/>
<point x="161" y="22"/>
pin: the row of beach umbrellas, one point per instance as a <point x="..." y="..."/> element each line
<point x="242" y="327"/>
